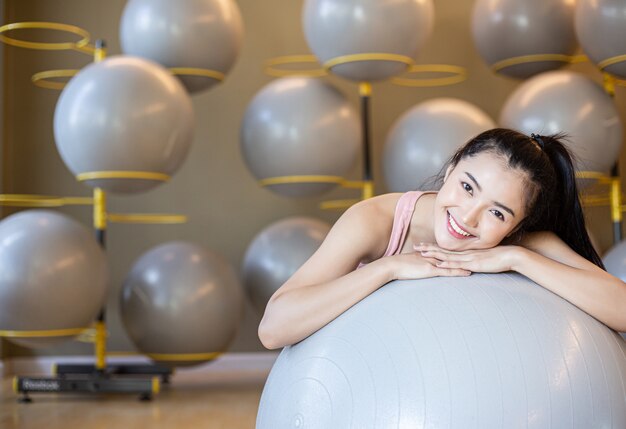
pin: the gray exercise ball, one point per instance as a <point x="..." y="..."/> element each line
<point x="277" y="252"/>
<point x="615" y="260"/>
<point x="565" y="101"/>
<point x="615" y="263"/>
<point x="189" y="33"/>
<point x="181" y="299"/>
<point x="53" y="275"/>
<point x="601" y="30"/>
<point x="300" y="126"/>
<point x="334" y="28"/>
<point x="485" y="351"/>
<point x="511" y="28"/>
<point x="423" y="139"/>
<point x="124" y="114"/>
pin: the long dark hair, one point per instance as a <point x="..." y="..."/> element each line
<point x="552" y="202"/>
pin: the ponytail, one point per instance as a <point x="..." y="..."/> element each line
<point x="564" y="211"/>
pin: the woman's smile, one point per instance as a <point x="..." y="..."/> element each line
<point x="456" y="230"/>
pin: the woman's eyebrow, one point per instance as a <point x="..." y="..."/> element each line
<point x="502" y="206"/>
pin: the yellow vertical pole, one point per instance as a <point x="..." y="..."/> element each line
<point x="101" y="51"/>
<point x="100" y="224"/>
<point x="616" y="199"/>
<point x="365" y="91"/>
<point x="616" y="188"/>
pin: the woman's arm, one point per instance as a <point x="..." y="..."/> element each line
<point x="328" y="284"/>
<point x="547" y="260"/>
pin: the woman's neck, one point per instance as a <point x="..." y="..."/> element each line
<point x="421" y="229"/>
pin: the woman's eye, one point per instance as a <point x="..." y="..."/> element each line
<point x="498" y="214"/>
<point x="467" y="187"/>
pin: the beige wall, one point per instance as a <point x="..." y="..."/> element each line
<point x="224" y="204"/>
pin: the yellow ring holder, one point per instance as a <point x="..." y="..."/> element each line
<point x="79" y="45"/>
<point x="138" y="175"/>
<point x="198" y="72"/>
<point x="172" y="357"/>
<point x="272" y="66"/>
<point x="70" y="332"/>
<point x="611" y="61"/>
<point x="20" y="200"/>
<point x="344" y="59"/>
<point x="367" y="187"/>
<point x="535" y="58"/>
<point x="42" y="79"/>
<point x="457" y="74"/>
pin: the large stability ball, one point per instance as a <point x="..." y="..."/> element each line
<point x="512" y="28"/>
<point x="53" y="275"/>
<point x="615" y="260"/>
<point x="486" y="351"/>
<point x="123" y="114"/>
<point x="334" y="28"/>
<point x="180" y="299"/>
<point x="300" y="126"/>
<point x="277" y="252"/>
<point x="203" y="34"/>
<point x="601" y="30"/>
<point x="424" y="138"/>
<point x="565" y="101"/>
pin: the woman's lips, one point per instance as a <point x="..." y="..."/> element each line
<point x="452" y="231"/>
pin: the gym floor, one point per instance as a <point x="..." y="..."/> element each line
<point x="196" y="400"/>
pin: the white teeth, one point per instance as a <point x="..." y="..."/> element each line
<point x="457" y="228"/>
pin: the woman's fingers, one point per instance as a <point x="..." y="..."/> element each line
<point x="445" y="256"/>
<point x="452" y="272"/>
<point x="453" y="264"/>
<point x="427" y="247"/>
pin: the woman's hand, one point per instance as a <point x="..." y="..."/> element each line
<point x="495" y="260"/>
<point x="407" y="266"/>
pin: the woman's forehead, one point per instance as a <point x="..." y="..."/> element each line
<point x="493" y="176"/>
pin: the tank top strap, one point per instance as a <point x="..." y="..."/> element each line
<point x="401" y="221"/>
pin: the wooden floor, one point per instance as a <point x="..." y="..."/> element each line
<point x="191" y="401"/>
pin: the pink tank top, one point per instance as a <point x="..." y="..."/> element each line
<point x="401" y="222"/>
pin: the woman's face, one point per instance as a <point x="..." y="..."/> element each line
<point x="480" y="203"/>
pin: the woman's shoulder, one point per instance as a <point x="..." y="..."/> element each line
<point x="535" y="239"/>
<point x="380" y="206"/>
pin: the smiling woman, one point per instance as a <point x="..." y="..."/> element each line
<point x="508" y="202"/>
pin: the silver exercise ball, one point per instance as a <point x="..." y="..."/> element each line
<point x="511" y="28"/>
<point x="565" y="101"/>
<point x="601" y="30"/>
<point x="300" y="126"/>
<point x="53" y="275"/>
<point x="203" y="34"/>
<point x="423" y="139"/>
<point x="485" y="351"/>
<point x="123" y="114"/>
<point x="180" y="299"/>
<point x="277" y="252"/>
<point x="615" y="260"/>
<point x="334" y="28"/>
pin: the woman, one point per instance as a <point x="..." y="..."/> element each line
<point x="508" y="203"/>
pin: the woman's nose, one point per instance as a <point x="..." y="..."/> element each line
<point x="471" y="217"/>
